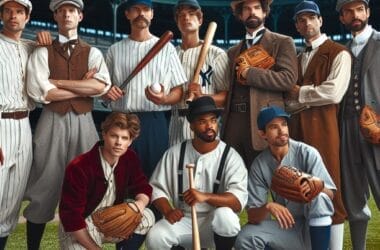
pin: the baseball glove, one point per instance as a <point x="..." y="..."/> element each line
<point x="287" y="182"/>
<point x="255" y="56"/>
<point x="370" y="125"/>
<point x="118" y="221"/>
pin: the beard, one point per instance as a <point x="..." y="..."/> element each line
<point x="253" y="22"/>
<point x="279" y="142"/>
<point x="355" y="28"/>
<point x="205" y="136"/>
<point x="138" y="20"/>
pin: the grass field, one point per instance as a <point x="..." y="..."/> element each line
<point x="17" y="240"/>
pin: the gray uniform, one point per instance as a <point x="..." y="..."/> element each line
<point x="268" y="232"/>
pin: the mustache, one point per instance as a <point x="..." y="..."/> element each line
<point x="141" y="18"/>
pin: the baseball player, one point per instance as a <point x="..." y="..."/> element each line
<point x="15" y="133"/>
<point x="296" y="224"/>
<point x="101" y="178"/>
<point x="216" y="197"/>
<point x="360" y="160"/>
<point x="324" y="74"/>
<point x="261" y="86"/>
<point x="64" y="77"/>
<point x="214" y="73"/>
<point x="153" y="109"/>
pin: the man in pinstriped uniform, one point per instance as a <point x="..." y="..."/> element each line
<point x="15" y="133"/>
<point x="214" y="75"/>
<point x="165" y="68"/>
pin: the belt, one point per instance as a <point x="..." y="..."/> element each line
<point x="17" y="115"/>
<point x="239" y="107"/>
<point x="183" y="112"/>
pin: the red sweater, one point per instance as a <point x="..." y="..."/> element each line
<point x="84" y="186"/>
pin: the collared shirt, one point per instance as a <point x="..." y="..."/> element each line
<point x="360" y="40"/>
<point x="13" y="61"/>
<point x="38" y="84"/>
<point x="255" y="36"/>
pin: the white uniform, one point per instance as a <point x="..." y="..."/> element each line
<point x="213" y="78"/>
<point x="256" y="236"/>
<point x="15" y="135"/>
<point x="223" y="221"/>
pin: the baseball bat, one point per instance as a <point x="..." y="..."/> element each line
<point x="194" y="221"/>
<point x="202" y="55"/>
<point x="164" y="39"/>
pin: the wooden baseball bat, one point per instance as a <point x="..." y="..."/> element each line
<point x="194" y="221"/>
<point x="202" y="55"/>
<point x="164" y="39"/>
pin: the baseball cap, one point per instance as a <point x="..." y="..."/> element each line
<point x="340" y="3"/>
<point x="25" y="3"/>
<point x="130" y="3"/>
<point x="234" y="3"/>
<point x="267" y="114"/>
<point x="306" y="6"/>
<point x="191" y="3"/>
<point x="55" y="4"/>
<point x="201" y="106"/>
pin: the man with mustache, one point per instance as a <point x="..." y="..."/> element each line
<point x="360" y="160"/>
<point x="296" y="225"/>
<point x="153" y="109"/>
<point x="323" y="77"/>
<point x="261" y="87"/>
<point x="220" y="190"/>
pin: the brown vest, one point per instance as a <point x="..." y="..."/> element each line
<point x="63" y="67"/>
<point x="318" y="126"/>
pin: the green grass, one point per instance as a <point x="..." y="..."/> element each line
<point x="17" y="240"/>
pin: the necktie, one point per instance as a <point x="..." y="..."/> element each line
<point x="308" y="49"/>
<point x="67" y="47"/>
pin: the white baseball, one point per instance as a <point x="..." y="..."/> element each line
<point x="156" y="88"/>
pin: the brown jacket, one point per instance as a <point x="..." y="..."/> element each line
<point x="266" y="86"/>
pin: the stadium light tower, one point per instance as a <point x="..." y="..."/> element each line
<point x="115" y="4"/>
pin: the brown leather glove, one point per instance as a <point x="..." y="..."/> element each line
<point x="370" y="125"/>
<point x="287" y="182"/>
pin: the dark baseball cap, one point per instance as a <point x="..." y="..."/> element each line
<point x="267" y="114"/>
<point x="306" y="6"/>
<point x="130" y="3"/>
<point x="340" y="3"/>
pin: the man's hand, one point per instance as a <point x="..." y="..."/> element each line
<point x="90" y="74"/>
<point x="194" y="88"/>
<point x="193" y="196"/>
<point x="293" y="93"/>
<point x="174" y="215"/>
<point x="1" y="157"/>
<point x="282" y="215"/>
<point x="156" y="98"/>
<point x="44" y="38"/>
<point x="114" y="94"/>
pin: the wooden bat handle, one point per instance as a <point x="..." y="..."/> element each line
<point x="194" y="220"/>
<point x="202" y="56"/>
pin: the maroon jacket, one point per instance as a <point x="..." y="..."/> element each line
<point x="84" y="186"/>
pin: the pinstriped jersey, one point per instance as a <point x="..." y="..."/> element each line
<point x="164" y="68"/>
<point x="13" y="59"/>
<point x="213" y="78"/>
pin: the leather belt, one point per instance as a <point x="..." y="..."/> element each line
<point x="239" y="107"/>
<point x="17" y="115"/>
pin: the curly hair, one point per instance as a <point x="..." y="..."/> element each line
<point x="124" y="121"/>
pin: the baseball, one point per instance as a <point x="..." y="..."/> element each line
<point x="156" y="88"/>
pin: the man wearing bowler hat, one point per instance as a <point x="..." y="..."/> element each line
<point x="323" y="78"/>
<point x="219" y="193"/>
<point x="64" y="76"/>
<point x="360" y="159"/>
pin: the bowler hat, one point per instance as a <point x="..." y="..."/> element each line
<point x="55" y="4"/>
<point x="191" y="3"/>
<point x="130" y="3"/>
<point x="201" y="106"/>
<point x="306" y="6"/>
<point x="234" y="3"/>
<point x="340" y="3"/>
<point x="267" y="114"/>
<point x="25" y="3"/>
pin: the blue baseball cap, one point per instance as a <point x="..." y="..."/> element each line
<point x="306" y="6"/>
<point x="267" y="114"/>
<point x="130" y="3"/>
<point x="191" y="3"/>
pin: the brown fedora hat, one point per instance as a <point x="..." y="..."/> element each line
<point x="236" y="2"/>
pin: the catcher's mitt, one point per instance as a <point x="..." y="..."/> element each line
<point x="118" y="221"/>
<point x="255" y="56"/>
<point x="370" y="125"/>
<point x="287" y="181"/>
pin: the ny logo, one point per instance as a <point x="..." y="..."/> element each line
<point x="206" y="76"/>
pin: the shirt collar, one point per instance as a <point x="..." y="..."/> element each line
<point x="253" y="35"/>
<point x="317" y="42"/>
<point x="64" y="39"/>
<point x="363" y="37"/>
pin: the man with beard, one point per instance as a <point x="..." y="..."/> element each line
<point x="261" y="87"/>
<point x="296" y="225"/>
<point x="323" y="77"/>
<point x="220" y="186"/>
<point x="153" y="109"/>
<point x="360" y="160"/>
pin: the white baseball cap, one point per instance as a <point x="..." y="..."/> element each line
<point x="25" y="3"/>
